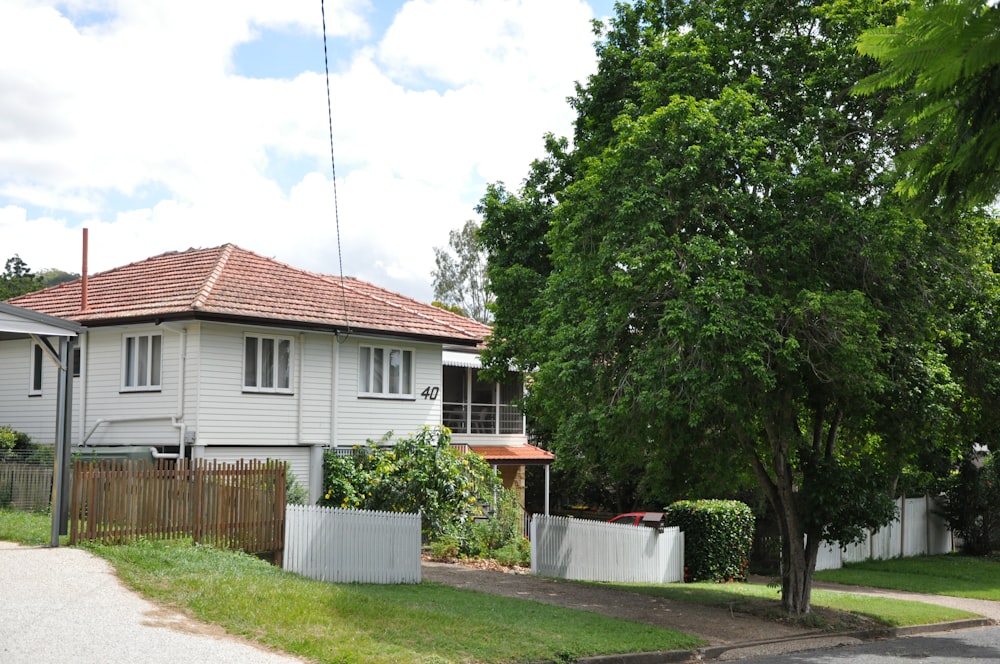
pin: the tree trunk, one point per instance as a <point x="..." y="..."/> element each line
<point x="799" y="549"/>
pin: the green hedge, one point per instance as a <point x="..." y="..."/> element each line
<point x="718" y="535"/>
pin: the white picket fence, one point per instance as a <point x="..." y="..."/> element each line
<point x="584" y="550"/>
<point x="352" y="546"/>
<point x="917" y="531"/>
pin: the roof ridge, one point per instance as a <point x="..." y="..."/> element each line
<point x="220" y="264"/>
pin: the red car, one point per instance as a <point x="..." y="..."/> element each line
<point x="651" y="519"/>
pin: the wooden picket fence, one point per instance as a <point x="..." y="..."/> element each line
<point x="233" y="506"/>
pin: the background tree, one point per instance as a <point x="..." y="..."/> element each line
<point x="718" y="270"/>
<point x="17" y="279"/>
<point x="53" y="277"/>
<point x="945" y="56"/>
<point x="460" y="278"/>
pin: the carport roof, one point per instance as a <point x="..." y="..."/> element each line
<point x="18" y="322"/>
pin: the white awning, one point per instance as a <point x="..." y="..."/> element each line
<point x="452" y="358"/>
<point x="17" y="321"/>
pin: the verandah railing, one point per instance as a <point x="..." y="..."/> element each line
<point x="233" y="506"/>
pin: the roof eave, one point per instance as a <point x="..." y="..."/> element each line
<point x="262" y="321"/>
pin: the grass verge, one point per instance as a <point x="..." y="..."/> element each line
<point x="30" y="528"/>
<point x="831" y="610"/>
<point x="954" y="575"/>
<point x="361" y="623"/>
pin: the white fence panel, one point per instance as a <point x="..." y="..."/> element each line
<point x="829" y="556"/>
<point x="597" y="551"/>
<point x="352" y="546"/>
<point x="916" y="531"/>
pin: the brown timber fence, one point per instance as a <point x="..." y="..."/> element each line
<point x="232" y="506"/>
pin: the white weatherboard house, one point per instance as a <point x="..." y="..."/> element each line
<point x="225" y="354"/>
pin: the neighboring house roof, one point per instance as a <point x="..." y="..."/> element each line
<point x="501" y="455"/>
<point x="232" y="284"/>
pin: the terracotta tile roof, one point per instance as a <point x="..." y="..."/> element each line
<point x="228" y="283"/>
<point x="513" y="454"/>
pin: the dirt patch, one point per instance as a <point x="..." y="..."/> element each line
<point x="741" y="622"/>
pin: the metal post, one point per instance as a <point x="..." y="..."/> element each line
<point x="546" y="489"/>
<point x="64" y="431"/>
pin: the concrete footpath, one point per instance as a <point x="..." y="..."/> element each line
<point x="66" y="605"/>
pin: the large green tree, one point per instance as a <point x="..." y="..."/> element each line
<point x="944" y="55"/>
<point x="717" y="277"/>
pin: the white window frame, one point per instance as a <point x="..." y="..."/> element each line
<point x="400" y="387"/>
<point x="37" y="372"/>
<point x="262" y="382"/>
<point x="142" y="364"/>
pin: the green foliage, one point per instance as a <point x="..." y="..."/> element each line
<point x="718" y="271"/>
<point x="17" y="279"/>
<point x="460" y="281"/>
<point x="17" y="445"/>
<point x="54" y="277"/>
<point x="423" y="473"/>
<point x="445" y="547"/>
<point x="944" y="57"/>
<point x="971" y="503"/>
<point x="498" y="535"/>
<point x="295" y="493"/>
<point x="718" y="535"/>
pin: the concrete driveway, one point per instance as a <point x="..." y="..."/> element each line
<point x="66" y="605"/>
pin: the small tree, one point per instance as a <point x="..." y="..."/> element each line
<point x="460" y="276"/>
<point x="971" y="502"/>
<point x="17" y="279"/>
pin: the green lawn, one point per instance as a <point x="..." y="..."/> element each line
<point x="954" y="575"/>
<point x="360" y="623"/>
<point x="764" y="600"/>
<point x="433" y="623"/>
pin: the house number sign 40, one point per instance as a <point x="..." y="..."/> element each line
<point x="430" y="393"/>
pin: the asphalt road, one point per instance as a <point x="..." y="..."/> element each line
<point x="959" y="647"/>
<point x="66" y="605"/>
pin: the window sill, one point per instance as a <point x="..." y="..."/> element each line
<point x="387" y="397"/>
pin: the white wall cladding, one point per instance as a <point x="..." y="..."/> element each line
<point x="585" y="550"/>
<point x="105" y="399"/>
<point x="296" y="457"/>
<point x="352" y="546"/>
<point x="227" y="414"/>
<point x="916" y="531"/>
<point x="364" y="418"/>
<point x="33" y="415"/>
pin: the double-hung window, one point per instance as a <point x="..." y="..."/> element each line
<point x="385" y="372"/>
<point x="37" y="364"/>
<point x="141" y="360"/>
<point x="267" y="363"/>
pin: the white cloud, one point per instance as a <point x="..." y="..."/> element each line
<point x="138" y="128"/>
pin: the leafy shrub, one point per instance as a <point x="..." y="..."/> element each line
<point x="423" y="473"/>
<point x="11" y="440"/>
<point x="295" y="493"/>
<point x="17" y="446"/>
<point x="517" y="552"/>
<point x="718" y="535"/>
<point x="445" y="547"/>
<point x="971" y="503"/>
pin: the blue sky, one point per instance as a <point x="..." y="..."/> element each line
<point x="170" y="124"/>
